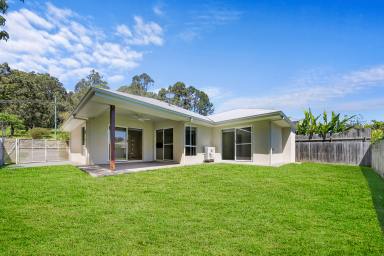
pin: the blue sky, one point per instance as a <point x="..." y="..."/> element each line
<point x="288" y="55"/>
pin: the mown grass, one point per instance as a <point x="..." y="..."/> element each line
<point x="220" y="209"/>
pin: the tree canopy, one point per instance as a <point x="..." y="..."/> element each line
<point x="140" y="85"/>
<point x="10" y="120"/>
<point x="31" y="96"/>
<point x="94" y="79"/>
<point x="179" y="94"/>
<point x="187" y="97"/>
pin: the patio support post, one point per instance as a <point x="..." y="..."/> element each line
<point x="112" y="161"/>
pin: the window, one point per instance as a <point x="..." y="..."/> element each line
<point x="82" y="136"/>
<point x="190" y="141"/>
<point x="237" y="144"/>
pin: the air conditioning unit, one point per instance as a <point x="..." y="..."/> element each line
<point x="209" y="155"/>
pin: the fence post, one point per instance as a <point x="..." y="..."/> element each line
<point x="1" y="152"/>
<point x="45" y="150"/>
<point x="17" y="150"/>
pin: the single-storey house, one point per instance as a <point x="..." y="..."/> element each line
<point x="109" y="126"/>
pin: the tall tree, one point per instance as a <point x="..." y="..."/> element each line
<point x="187" y="97"/>
<point x="140" y="85"/>
<point x="94" y="79"/>
<point x="31" y="97"/>
<point x="179" y="94"/>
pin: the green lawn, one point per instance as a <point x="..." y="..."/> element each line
<point x="307" y="209"/>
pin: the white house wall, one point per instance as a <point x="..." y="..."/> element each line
<point x="76" y="153"/>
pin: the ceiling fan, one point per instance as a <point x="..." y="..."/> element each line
<point x="141" y="118"/>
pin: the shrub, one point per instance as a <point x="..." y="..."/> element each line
<point x="377" y="135"/>
<point x="62" y="135"/>
<point x="39" y="133"/>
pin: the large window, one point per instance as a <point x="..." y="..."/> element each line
<point x="237" y="144"/>
<point x="190" y="141"/>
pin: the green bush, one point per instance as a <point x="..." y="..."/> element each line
<point x="377" y="135"/>
<point x="62" y="135"/>
<point x="39" y="133"/>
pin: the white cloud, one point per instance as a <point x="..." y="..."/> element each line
<point x="311" y="92"/>
<point x="123" y="30"/>
<point x="216" y="93"/>
<point x="58" y="13"/>
<point x="68" y="46"/>
<point x="158" y="10"/>
<point x="116" y="78"/>
<point x="207" y="18"/>
<point x="360" y="105"/>
<point x="143" y="33"/>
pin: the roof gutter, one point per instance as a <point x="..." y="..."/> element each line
<point x="282" y="115"/>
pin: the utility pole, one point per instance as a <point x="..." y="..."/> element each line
<point x="55" y="118"/>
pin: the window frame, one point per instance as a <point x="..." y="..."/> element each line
<point x="190" y="146"/>
<point x="235" y="130"/>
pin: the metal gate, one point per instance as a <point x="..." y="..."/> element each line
<point x="40" y="150"/>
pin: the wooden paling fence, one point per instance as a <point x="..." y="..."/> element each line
<point x="352" y="147"/>
<point x="378" y="157"/>
<point x="1" y="152"/>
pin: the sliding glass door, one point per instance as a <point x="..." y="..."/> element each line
<point x="237" y="144"/>
<point x="244" y="144"/>
<point x="135" y="144"/>
<point x="121" y="143"/>
<point x="128" y="143"/>
<point x="164" y="144"/>
<point x="228" y="139"/>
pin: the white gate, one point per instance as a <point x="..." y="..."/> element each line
<point x="41" y="150"/>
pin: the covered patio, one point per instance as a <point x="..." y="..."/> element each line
<point x="101" y="170"/>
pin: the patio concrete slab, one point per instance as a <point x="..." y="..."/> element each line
<point x="124" y="168"/>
